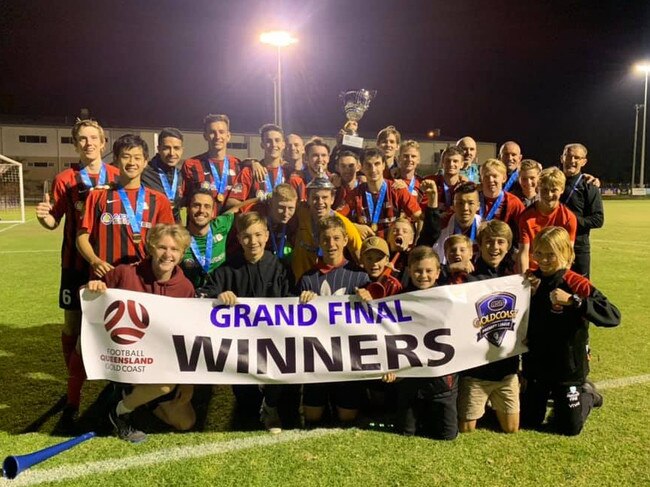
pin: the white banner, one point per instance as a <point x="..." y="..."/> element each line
<point x="142" y="338"/>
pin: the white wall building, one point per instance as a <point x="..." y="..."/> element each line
<point x="47" y="150"/>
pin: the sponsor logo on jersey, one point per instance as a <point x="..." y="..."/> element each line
<point x="106" y="218"/>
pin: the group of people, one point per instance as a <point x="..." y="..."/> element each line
<point x="311" y="220"/>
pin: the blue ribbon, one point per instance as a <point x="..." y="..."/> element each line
<point x="135" y="218"/>
<point x="494" y="208"/>
<point x="573" y="188"/>
<point x="278" y="249"/>
<point x="279" y="179"/>
<point x="170" y="191"/>
<point x="511" y="180"/>
<point x="472" y="232"/>
<point x="448" y="200"/>
<point x="85" y="177"/>
<point x="412" y="185"/>
<point x="375" y="211"/>
<point x="220" y="183"/>
<point x="204" y="260"/>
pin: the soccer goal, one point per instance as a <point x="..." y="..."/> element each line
<point x="12" y="192"/>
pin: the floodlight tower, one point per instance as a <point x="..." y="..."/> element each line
<point x="278" y="39"/>
<point x="644" y="68"/>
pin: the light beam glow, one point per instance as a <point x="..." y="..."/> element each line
<point x="278" y="38"/>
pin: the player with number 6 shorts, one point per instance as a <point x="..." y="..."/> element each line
<point x="69" y="192"/>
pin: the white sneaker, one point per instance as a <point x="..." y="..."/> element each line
<point x="271" y="419"/>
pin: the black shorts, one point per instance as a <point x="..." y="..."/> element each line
<point x="346" y="395"/>
<point x="71" y="281"/>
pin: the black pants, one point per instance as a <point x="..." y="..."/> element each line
<point x="582" y="262"/>
<point x="426" y="408"/>
<point x="571" y="406"/>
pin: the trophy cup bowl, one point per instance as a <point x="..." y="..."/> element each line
<point x="355" y="104"/>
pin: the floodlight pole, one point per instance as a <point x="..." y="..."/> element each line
<point x="637" y="107"/>
<point x="278" y="108"/>
<point x="643" y="135"/>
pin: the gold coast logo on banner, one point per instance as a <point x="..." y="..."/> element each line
<point x="126" y="332"/>
<point x="496" y="313"/>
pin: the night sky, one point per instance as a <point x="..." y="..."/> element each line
<point x="541" y="73"/>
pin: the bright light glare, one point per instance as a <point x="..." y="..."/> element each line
<point x="278" y="38"/>
<point x="643" y="67"/>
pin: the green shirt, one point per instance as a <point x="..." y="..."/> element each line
<point x="220" y="227"/>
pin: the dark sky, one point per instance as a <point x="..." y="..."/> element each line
<point x="543" y="73"/>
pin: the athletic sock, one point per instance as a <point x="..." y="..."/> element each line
<point x="76" y="379"/>
<point x="68" y="344"/>
<point x="121" y="409"/>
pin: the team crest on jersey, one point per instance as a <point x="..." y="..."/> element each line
<point x="496" y="313"/>
<point x="79" y="206"/>
<point x="106" y="218"/>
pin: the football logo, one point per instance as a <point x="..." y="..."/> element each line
<point x="122" y="332"/>
<point x="496" y="313"/>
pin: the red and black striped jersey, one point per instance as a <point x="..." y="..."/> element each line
<point x="246" y="186"/>
<point x="197" y="173"/>
<point x="69" y="193"/>
<point x="107" y="223"/>
<point x="397" y="202"/>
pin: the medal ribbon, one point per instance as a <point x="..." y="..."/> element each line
<point x="494" y="208"/>
<point x="279" y="179"/>
<point x="220" y="183"/>
<point x="573" y="188"/>
<point x="472" y="232"/>
<point x="375" y="211"/>
<point x="170" y="191"/>
<point x="85" y="177"/>
<point x="511" y="180"/>
<point x="204" y="260"/>
<point x="278" y="249"/>
<point x="135" y="218"/>
<point x="412" y="185"/>
<point x="447" y="190"/>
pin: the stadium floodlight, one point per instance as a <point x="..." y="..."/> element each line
<point x="12" y="191"/>
<point x="643" y="68"/>
<point x="278" y="39"/>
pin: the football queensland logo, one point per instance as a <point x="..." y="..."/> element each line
<point x="496" y="314"/>
<point x="126" y="332"/>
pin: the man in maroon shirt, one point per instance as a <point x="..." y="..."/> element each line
<point x="157" y="274"/>
<point x="70" y="190"/>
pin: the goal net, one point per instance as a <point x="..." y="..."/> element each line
<point x="12" y="192"/>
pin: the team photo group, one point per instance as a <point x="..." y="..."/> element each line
<point x="312" y="220"/>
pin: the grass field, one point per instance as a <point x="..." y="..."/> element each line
<point x="613" y="449"/>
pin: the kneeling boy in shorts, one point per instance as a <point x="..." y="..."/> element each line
<point x="496" y="382"/>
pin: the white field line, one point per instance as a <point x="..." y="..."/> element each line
<point x="28" y="251"/>
<point x="27" y="220"/>
<point x="622" y="382"/>
<point x="68" y="472"/>
<point x="631" y="243"/>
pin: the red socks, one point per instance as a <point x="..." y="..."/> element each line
<point x="68" y="344"/>
<point x="76" y="379"/>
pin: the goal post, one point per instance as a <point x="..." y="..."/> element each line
<point x="12" y="191"/>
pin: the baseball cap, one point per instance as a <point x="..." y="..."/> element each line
<point x="375" y="243"/>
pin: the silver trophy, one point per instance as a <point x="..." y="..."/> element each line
<point x="355" y="104"/>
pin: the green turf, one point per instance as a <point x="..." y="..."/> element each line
<point x="613" y="449"/>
